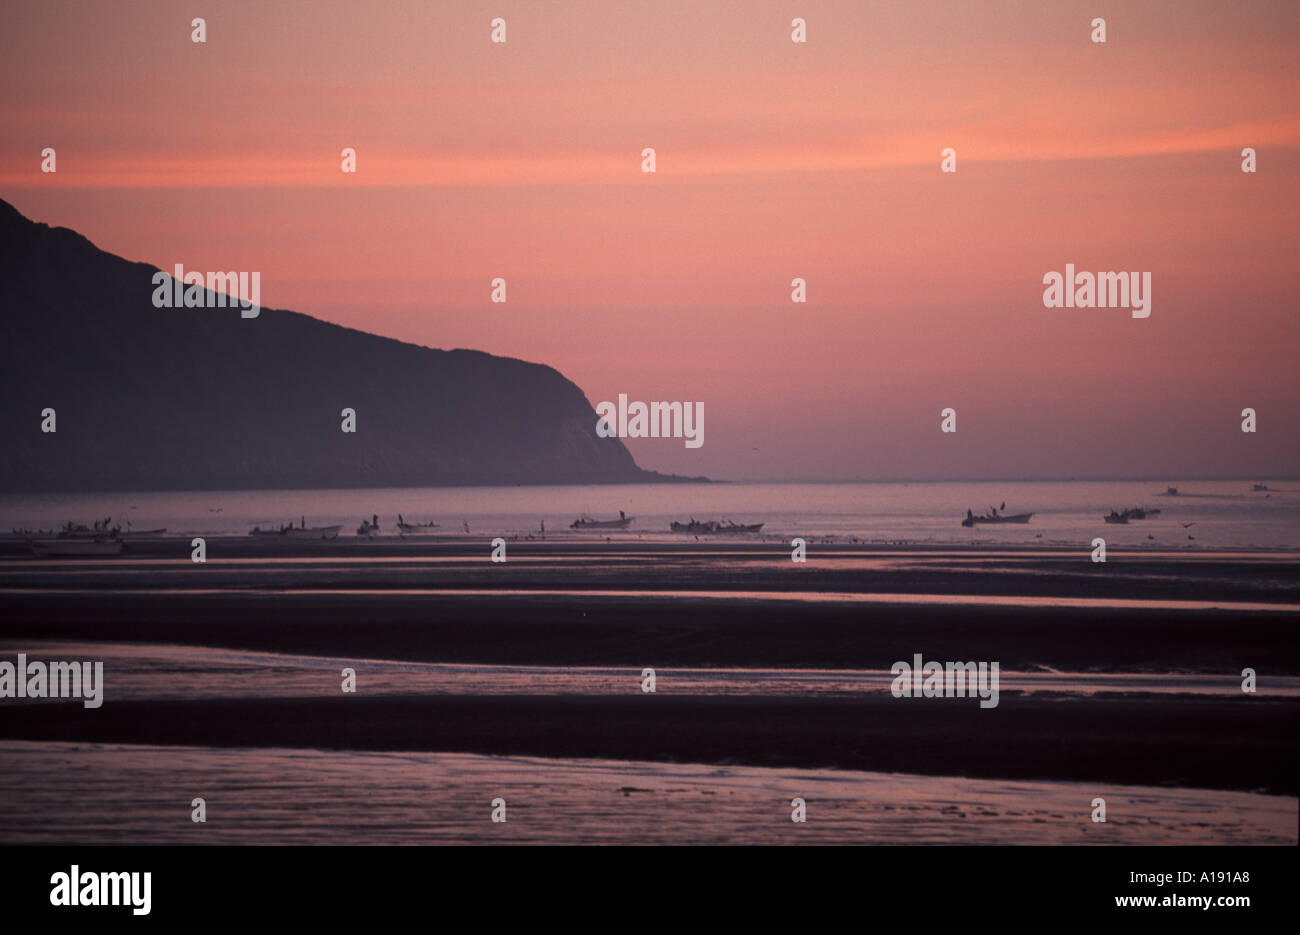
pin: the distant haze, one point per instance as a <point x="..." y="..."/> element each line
<point x="775" y="161"/>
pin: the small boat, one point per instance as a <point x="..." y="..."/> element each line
<point x="731" y="528"/>
<point x="415" y="529"/>
<point x="259" y="531"/>
<point x="1259" y="487"/>
<point x="141" y="533"/>
<point x="313" y="532"/>
<point x="369" y="528"/>
<point x="1136" y="512"/>
<point x="995" y="517"/>
<point x="1171" y="491"/>
<point x="26" y="535"/>
<point x="75" y="547"/>
<point x="586" y="522"/>
<point x="101" y="530"/>
<point x="694" y="526"/>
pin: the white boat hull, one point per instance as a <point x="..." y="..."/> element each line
<point x="602" y="523"/>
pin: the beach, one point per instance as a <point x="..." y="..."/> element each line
<point x="108" y="794"/>
<point x="1123" y="678"/>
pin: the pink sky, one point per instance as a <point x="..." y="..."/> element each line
<point x="775" y="160"/>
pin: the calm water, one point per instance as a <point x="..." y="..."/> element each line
<point x="1226" y="514"/>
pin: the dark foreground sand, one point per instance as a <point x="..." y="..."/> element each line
<point x="662" y="631"/>
<point x="1245" y="743"/>
<point x="401" y="610"/>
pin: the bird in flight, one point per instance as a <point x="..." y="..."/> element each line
<point x="1188" y="525"/>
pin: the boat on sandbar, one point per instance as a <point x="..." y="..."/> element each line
<point x="414" y="529"/>
<point x="312" y="532"/>
<point x="141" y="533"/>
<point x="1124" y="516"/>
<point x="730" y="528"/>
<point x="994" y="517"/>
<point x="300" y="532"/>
<point x="712" y="527"/>
<point x="586" y="522"/>
<point x="103" y="529"/>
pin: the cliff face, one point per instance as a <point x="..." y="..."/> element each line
<point x="200" y="398"/>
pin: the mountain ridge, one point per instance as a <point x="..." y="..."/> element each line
<point x="152" y="398"/>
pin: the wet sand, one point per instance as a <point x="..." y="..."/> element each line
<point x="89" y="794"/>
<point x="1244" y="743"/>
<point x="174" y="672"/>
<point x="703" y="605"/>
<point x="660" y="631"/>
<point x="701" y="567"/>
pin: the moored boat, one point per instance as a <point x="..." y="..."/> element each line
<point x="415" y="529"/>
<point x="712" y="527"/>
<point x="26" y="535"/>
<point x="994" y="517"/>
<point x="313" y="532"/>
<point x="731" y="528"/>
<point x="103" y="529"/>
<point x="1124" y="516"/>
<point x="586" y="522"/>
<point x="141" y="533"/>
<point x="694" y="526"/>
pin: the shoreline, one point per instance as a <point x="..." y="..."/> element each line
<point x="177" y="545"/>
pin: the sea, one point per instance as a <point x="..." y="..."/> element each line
<point x="1202" y="515"/>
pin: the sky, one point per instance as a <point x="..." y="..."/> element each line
<point x="774" y="160"/>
